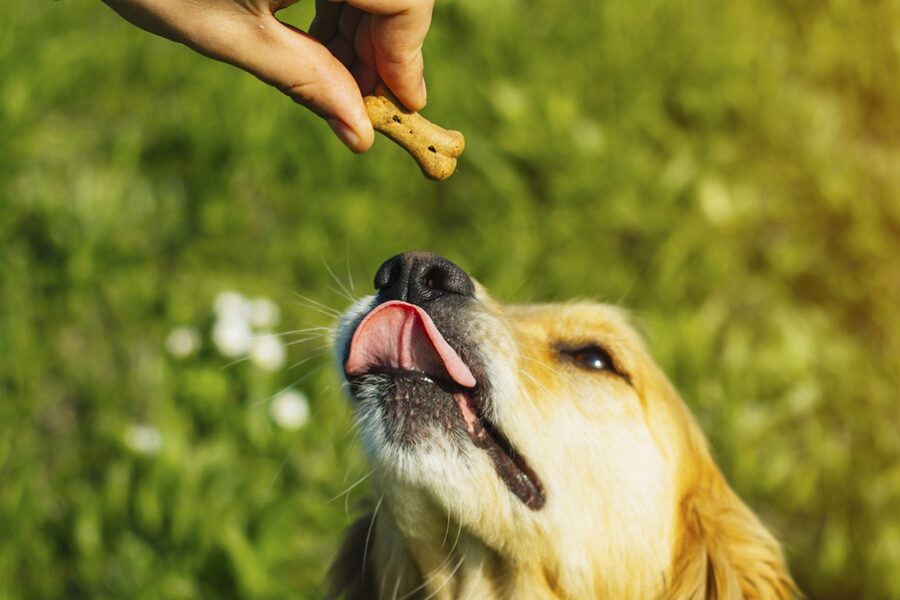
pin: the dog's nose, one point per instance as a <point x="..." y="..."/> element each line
<point x="420" y="277"/>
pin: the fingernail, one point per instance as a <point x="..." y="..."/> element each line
<point x="345" y="133"/>
<point x="424" y="92"/>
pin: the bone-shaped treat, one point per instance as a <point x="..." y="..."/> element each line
<point x="434" y="148"/>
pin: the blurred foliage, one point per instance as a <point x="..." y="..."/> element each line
<point x="728" y="170"/>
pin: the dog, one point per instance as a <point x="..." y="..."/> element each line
<point x="531" y="451"/>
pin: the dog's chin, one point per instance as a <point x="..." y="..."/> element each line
<point x="412" y="414"/>
<point x="413" y="409"/>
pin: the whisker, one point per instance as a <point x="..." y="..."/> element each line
<point x="316" y="305"/>
<point x="309" y="374"/>
<point x="277" y="474"/>
<point x="349" y="274"/>
<point x="510" y="293"/>
<point x="313" y="301"/>
<point x="321" y="328"/>
<point x="456" y="541"/>
<point x="349" y="489"/>
<point x="235" y="362"/>
<point x="530" y="404"/>
<point x="318" y="351"/>
<point x="330" y="313"/>
<point x="447" y="580"/>
<point x="354" y="428"/>
<point x="534" y="380"/>
<point x="342" y="294"/>
<point x="333" y="316"/>
<point x="354" y="433"/>
<point x="302" y="340"/>
<point x="639" y="275"/>
<point x="285" y="388"/>
<point x="272" y="397"/>
<point x="542" y="364"/>
<point x="344" y="291"/>
<point x="434" y="572"/>
<point x="396" y="588"/>
<point x="386" y="569"/>
<point x="347" y="507"/>
<point x="321" y="350"/>
<point x="475" y="578"/>
<point x="346" y="493"/>
<point x="305" y="360"/>
<point x="446" y="531"/>
<point x="369" y="535"/>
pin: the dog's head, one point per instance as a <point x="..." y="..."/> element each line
<point x="531" y="450"/>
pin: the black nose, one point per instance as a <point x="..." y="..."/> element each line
<point x="420" y="277"/>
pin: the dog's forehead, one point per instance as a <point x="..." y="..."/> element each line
<point x="588" y="320"/>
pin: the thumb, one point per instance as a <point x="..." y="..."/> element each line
<point x="304" y="69"/>
<point x="398" y="57"/>
<point x="398" y="29"/>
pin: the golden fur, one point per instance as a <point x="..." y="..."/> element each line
<point x="636" y="507"/>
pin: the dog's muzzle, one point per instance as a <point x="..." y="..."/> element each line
<point x="413" y="356"/>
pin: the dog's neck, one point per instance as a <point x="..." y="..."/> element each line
<point x="447" y="561"/>
<point x="412" y="550"/>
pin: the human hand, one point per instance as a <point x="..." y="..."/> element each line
<point x="350" y="46"/>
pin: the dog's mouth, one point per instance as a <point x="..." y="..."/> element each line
<point x="399" y="341"/>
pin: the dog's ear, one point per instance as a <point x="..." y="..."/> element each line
<point x="725" y="552"/>
<point x="351" y="575"/>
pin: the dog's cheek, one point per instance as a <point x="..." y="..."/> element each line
<point x="601" y="398"/>
<point x="370" y="424"/>
<point x="498" y="353"/>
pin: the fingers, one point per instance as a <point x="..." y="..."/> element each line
<point x="397" y="30"/>
<point x="352" y="44"/>
<point x="301" y="67"/>
<point x="324" y="25"/>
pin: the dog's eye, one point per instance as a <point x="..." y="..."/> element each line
<point x="593" y="358"/>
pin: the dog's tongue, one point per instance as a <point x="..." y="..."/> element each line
<point x="402" y="336"/>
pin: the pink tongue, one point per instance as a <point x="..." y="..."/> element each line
<point x="402" y="336"/>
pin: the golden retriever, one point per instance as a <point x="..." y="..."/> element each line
<point x="530" y="452"/>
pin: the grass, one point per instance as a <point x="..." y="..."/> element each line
<point x="729" y="171"/>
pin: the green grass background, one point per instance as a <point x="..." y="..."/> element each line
<point x="730" y="171"/>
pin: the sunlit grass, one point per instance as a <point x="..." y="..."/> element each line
<point x="729" y="171"/>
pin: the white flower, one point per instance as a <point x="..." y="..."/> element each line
<point x="716" y="201"/>
<point x="183" y="342"/>
<point x="267" y="353"/>
<point x="232" y="336"/>
<point x="230" y="305"/>
<point x="143" y="439"/>
<point x="263" y="312"/>
<point x="588" y="136"/>
<point x="289" y="409"/>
